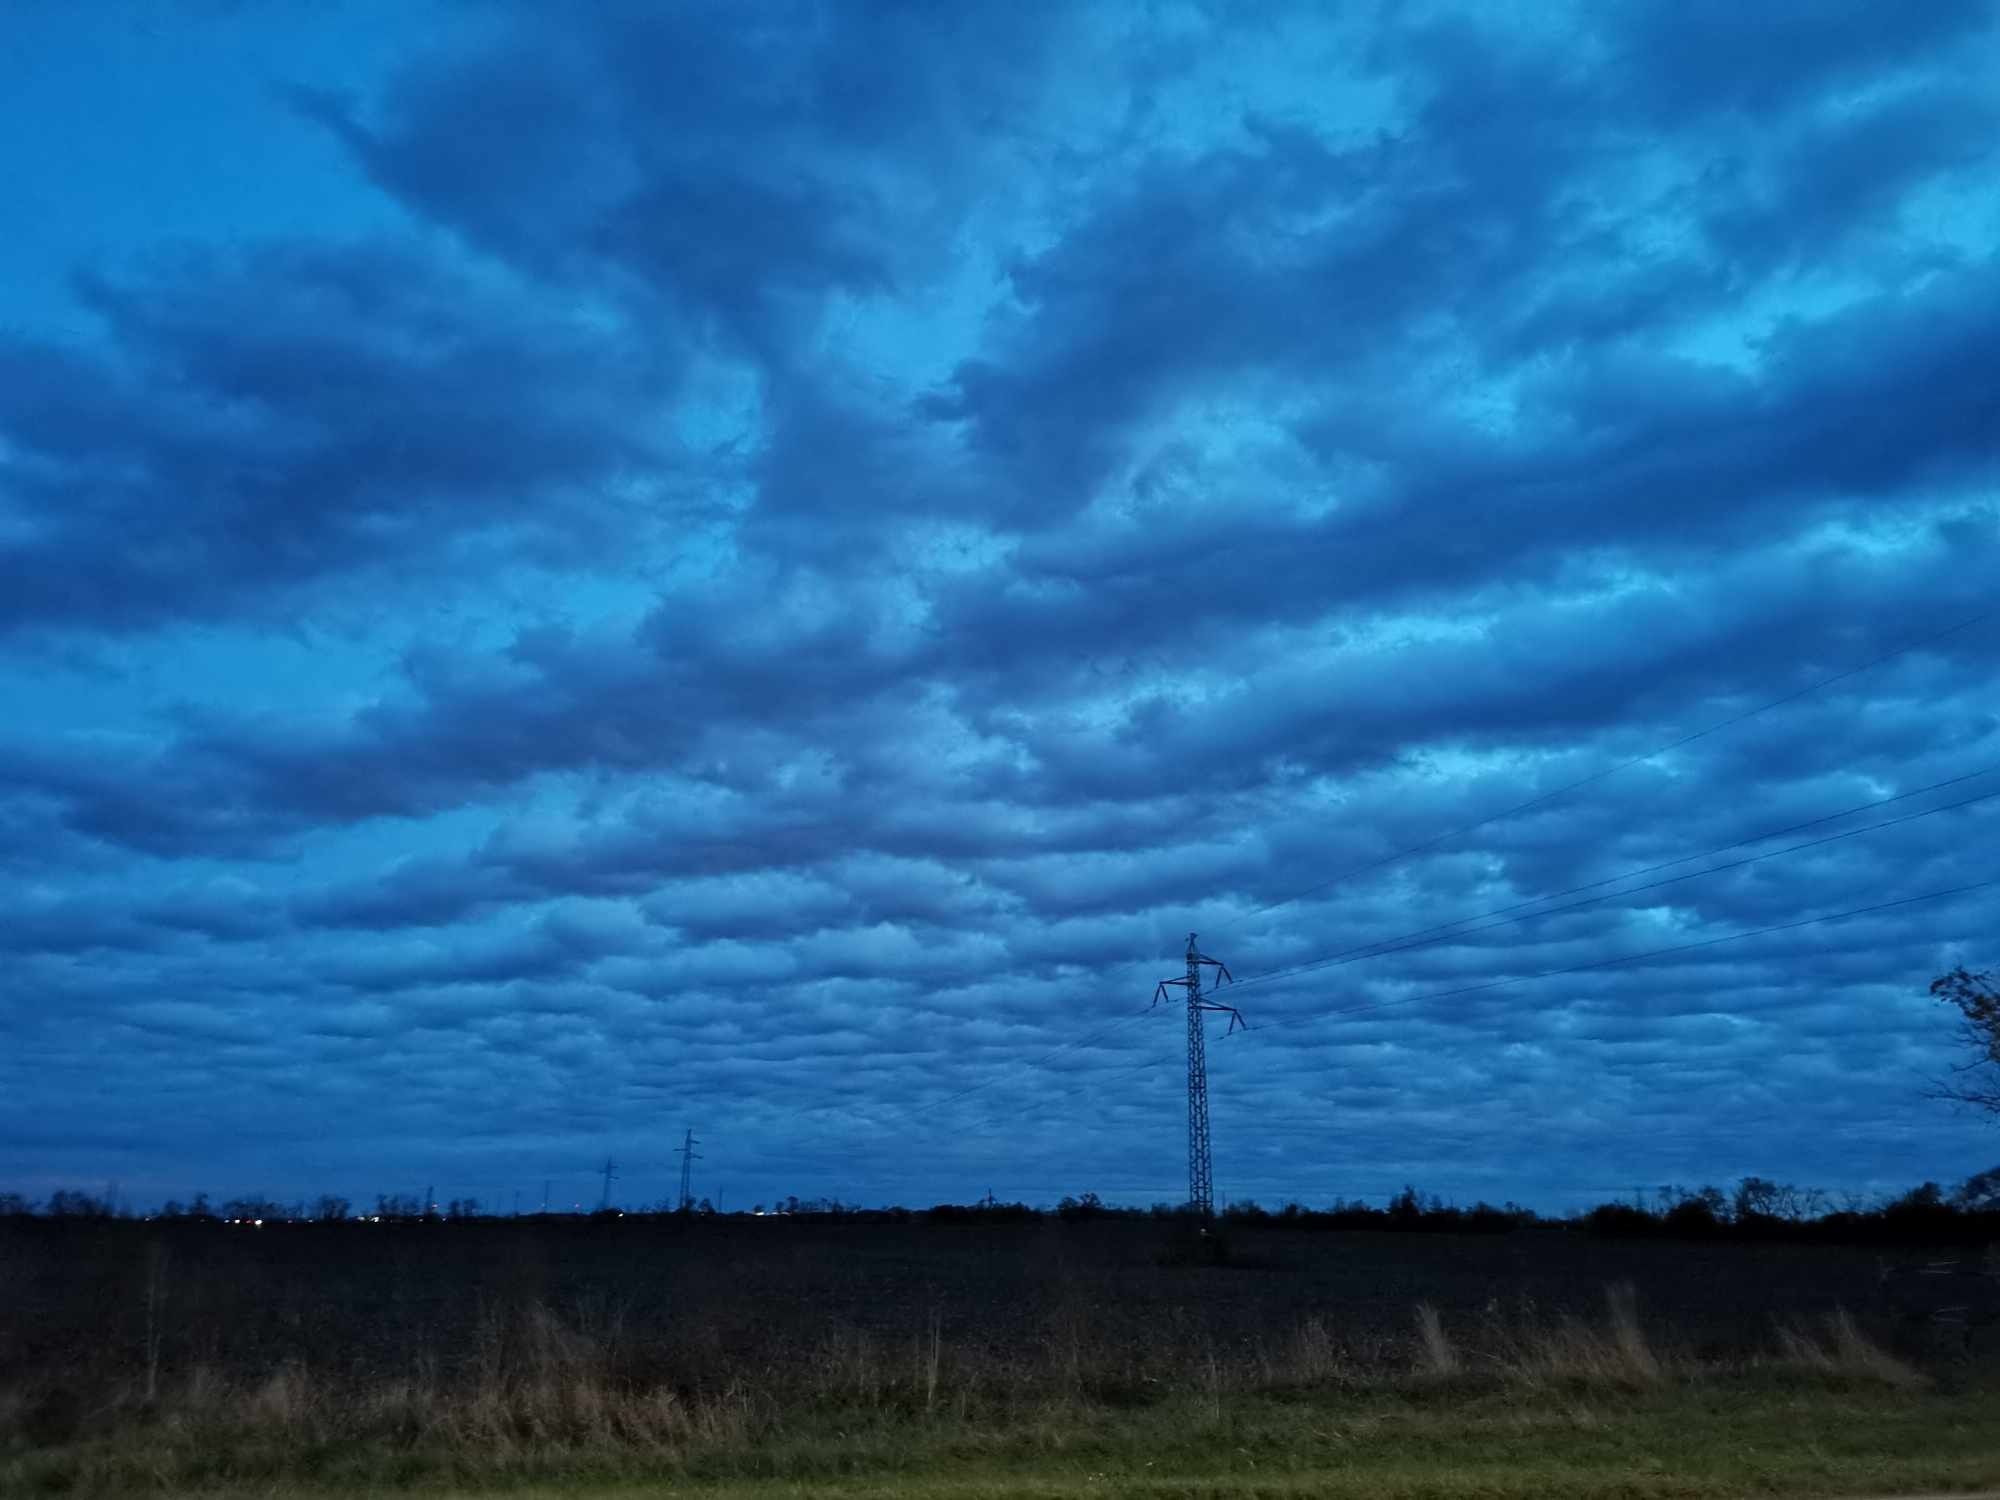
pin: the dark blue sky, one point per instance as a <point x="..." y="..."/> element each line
<point x="569" y="572"/>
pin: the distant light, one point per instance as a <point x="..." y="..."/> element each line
<point x="258" y="1222"/>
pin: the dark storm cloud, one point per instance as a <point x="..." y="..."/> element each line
<point x="274" y="417"/>
<point x="410" y="893"/>
<point x="559" y="942"/>
<point x="729" y="709"/>
<point x="74" y="927"/>
<point x="223" y="911"/>
<point x="835" y="537"/>
<point x="1175" y="279"/>
<point x="1688" y="58"/>
<point x="733" y="166"/>
<point x="1838" y="180"/>
<point x="1617" y="446"/>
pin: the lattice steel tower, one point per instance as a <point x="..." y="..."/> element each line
<point x="689" y="1156"/>
<point x="1201" y="1187"/>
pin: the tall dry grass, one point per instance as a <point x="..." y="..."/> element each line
<point x="1570" y="1350"/>
<point x="535" y="1384"/>
<point x="1533" y="1351"/>
<point x="1839" y="1349"/>
<point x="541" y="1384"/>
<point x="1437" y="1357"/>
<point x="158" y="1259"/>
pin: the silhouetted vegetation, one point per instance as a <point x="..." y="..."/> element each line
<point x="1976" y="998"/>
<point x="208" y="1351"/>
<point x="1408" y="1212"/>
<point x="1756" y="1209"/>
<point x="190" y="1349"/>
<point x="1762" y="1211"/>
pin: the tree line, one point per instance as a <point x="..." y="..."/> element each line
<point x="1756" y="1208"/>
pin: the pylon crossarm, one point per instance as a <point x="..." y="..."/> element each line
<point x="1161" y="993"/>
<point x="1235" y="1015"/>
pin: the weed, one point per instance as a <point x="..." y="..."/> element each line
<point x="463" y="1356"/>
<point x="1435" y="1355"/>
<point x="1840" y="1349"/>
<point x="1572" y="1352"/>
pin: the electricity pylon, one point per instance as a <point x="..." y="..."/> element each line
<point x="689" y="1156"/>
<point x="1201" y="1187"/>
<point x="610" y="1170"/>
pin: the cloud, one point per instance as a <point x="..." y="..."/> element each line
<point x="1710" y="55"/>
<point x="286" y="416"/>
<point x="815" y="548"/>
<point x="740" y="173"/>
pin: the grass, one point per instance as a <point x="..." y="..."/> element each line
<point x="1510" y="1405"/>
<point x="1749" y="1435"/>
<point x="765" y="1359"/>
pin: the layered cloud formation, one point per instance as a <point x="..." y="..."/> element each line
<point x="762" y="570"/>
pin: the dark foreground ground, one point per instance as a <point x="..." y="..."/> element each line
<point x="714" y="1299"/>
<point x="917" y="1357"/>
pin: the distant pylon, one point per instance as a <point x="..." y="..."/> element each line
<point x="1201" y="1188"/>
<point x="689" y="1156"/>
<point x="610" y="1170"/>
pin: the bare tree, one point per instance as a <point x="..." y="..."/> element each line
<point x="1979" y="1192"/>
<point x="1977" y="1001"/>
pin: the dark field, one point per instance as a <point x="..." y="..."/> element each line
<point x="518" y="1337"/>
<point x="706" y="1303"/>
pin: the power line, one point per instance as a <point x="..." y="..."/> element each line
<point x="1383" y="947"/>
<point x="1450" y="932"/>
<point x="1093" y="1083"/>
<point x="1596" y="776"/>
<point x="917" y="1112"/>
<point x="1624" y="958"/>
<point x="1445" y="932"/>
<point x="1097" y="1083"/>
<point x="908" y="1117"/>
<point x="1423" y="939"/>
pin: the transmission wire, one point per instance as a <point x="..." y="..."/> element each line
<point x="1451" y="932"/>
<point x="1625" y="958"/>
<point x="1596" y="776"/>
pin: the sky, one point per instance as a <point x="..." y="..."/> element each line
<point x="570" y="574"/>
